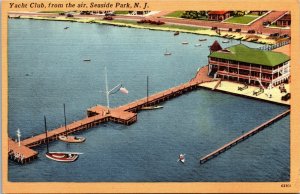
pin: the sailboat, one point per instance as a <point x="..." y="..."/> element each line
<point x="68" y="138"/>
<point x="147" y="107"/>
<point x="181" y="158"/>
<point x="59" y="156"/>
<point x="167" y="53"/>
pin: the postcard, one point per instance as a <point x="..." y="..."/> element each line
<point x="150" y="96"/>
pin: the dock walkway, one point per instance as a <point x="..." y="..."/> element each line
<point x="242" y="138"/>
<point x="126" y="114"/>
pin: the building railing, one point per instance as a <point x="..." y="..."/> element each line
<point x="274" y="46"/>
<point x="243" y="67"/>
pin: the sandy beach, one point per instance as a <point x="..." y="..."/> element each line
<point x="232" y="88"/>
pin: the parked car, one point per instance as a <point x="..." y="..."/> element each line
<point x="286" y="97"/>
<point x="70" y="15"/>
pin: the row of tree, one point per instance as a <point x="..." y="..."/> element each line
<point x="203" y="14"/>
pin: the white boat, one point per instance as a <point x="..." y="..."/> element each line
<point x="184" y="43"/>
<point x="147" y="107"/>
<point x="59" y="156"/>
<point x="225" y="41"/>
<point x="196" y="45"/>
<point x="181" y="158"/>
<point x="151" y="107"/>
<point x="68" y="138"/>
<point x="167" y="53"/>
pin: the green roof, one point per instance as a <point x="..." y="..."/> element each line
<point x="245" y="54"/>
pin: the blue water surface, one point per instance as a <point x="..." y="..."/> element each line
<point x="46" y="69"/>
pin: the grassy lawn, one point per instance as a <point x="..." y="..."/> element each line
<point x="171" y="26"/>
<point x="51" y="11"/>
<point x="121" y="12"/>
<point x="241" y="19"/>
<point x="175" y="14"/>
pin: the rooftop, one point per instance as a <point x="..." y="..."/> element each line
<point x="245" y="54"/>
<point x="217" y="12"/>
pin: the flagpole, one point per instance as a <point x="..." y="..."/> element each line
<point x="147" y="89"/>
<point x="106" y="86"/>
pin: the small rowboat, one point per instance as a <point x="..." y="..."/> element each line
<point x="63" y="156"/>
<point x="71" y="139"/>
<point x="181" y="158"/>
<point x="151" y="107"/>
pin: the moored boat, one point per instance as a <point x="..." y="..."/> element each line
<point x="71" y="139"/>
<point x="184" y="42"/>
<point x="176" y="33"/>
<point x="203" y="39"/>
<point x="196" y="45"/>
<point x="86" y="59"/>
<point x="63" y="156"/>
<point x="151" y="107"/>
<point x="59" y="156"/>
<point x="67" y="138"/>
<point x="225" y="41"/>
<point x="147" y="107"/>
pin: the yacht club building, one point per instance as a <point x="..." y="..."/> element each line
<point x="242" y="64"/>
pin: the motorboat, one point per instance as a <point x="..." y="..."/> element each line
<point x="66" y="27"/>
<point x="196" y="45"/>
<point x="86" y="59"/>
<point x="225" y="41"/>
<point x="176" y="33"/>
<point x="184" y="42"/>
<point x="203" y="39"/>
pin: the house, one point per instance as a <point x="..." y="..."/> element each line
<point x="218" y="15"/>
<point x="284" y="21"/>
<point x="242" y="64"/>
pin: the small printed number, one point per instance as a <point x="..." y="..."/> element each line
<point x="285" y="185"/>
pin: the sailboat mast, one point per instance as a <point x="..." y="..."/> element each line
<point x="47" y="140"/>
<point x="147" y="89"/>
<point x="106" y="87"/>
<point x="65" y="120"/>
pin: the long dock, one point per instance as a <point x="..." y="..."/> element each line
<point x="242" y="138"/>
<point x="126" y="114"/>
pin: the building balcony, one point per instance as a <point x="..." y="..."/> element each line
<point x="242" y="67"/>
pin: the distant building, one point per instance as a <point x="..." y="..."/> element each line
<point x="242" y="64"/>
<point x="218" y="15"/>
<point x="138" y="12"/>
<point x="284" y="21"/>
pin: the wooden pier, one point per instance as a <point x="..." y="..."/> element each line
<point x="242" y="138"/>
<point x="126" y="114"/>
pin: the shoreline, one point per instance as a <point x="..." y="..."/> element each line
<point x="231" y="88"/>
<point x="170" y="27"/>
